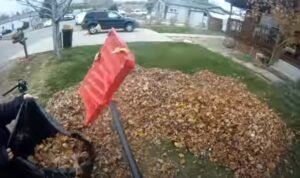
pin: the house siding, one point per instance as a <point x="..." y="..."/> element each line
<point x="215" y="24"/>
<point x="179" y="12"/>
<point x="194" y="15"/>
<point x="197" y="19"/>
<point x="159" y="9"/>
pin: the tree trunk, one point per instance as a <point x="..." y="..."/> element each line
<point x="277" y="50"/>
<point x="297" y="55"/>
<point x="275" y="54"/>
<point x="228" y="25"/>
<point x="56" y="39"/>
<point x="25" y="49"/>
<point x="55" y="29"/>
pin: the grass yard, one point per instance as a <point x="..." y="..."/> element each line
<point x="47" y="76"/>
<point x="181" y="29"/>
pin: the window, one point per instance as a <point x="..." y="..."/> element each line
<point x="173" y="10"/>
<point x="112" y="15"/>
<point x="89" y="15"/>
<point x="96" y="15"/>
<point x="101" y="15"/>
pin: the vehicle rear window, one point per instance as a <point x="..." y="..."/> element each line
<point x="101" y="15"/>
<point x="96" y="15"/>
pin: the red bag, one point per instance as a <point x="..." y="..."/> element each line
<point x="105" y="76"/>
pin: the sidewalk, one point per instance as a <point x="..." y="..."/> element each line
<point x="269" y="76"/>
<point x="286" y="70"/>
<point x="82" y="38"/>
<point x="174" y="35"/>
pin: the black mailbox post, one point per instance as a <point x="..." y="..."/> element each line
<point x="19" y="37"/>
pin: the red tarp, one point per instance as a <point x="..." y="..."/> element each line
<point x="106" y="75"/>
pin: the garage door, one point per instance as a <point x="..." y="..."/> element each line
<point x="196" y="19"/>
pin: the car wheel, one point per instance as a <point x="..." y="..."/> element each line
<point x="129" y="27"/>
<point x="93" y="29"/>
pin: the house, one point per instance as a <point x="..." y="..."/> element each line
<point x="195" y="13"/>
<point x="15" y="22"/>
<point x="262" y="34"/>
<point x="235" y="25"/>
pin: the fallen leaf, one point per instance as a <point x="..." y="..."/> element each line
<point x="207" y="114"/>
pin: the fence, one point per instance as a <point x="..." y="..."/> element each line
<point x="262" y="38"/>
<point x="259" y="36"/>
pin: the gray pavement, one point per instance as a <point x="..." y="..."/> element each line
<point x="184" y="35"/>
<point x="287" y="70"/>
<point x="82" y="38"/>
<point x="8" y="49"/>
<point x="41" y="41"/>
<point x="37" y="35"/>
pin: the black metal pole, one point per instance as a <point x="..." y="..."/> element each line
<point x="12" y="89"/>
<point x="126" y="148"/>
<point x="17" y="121"/>
<point x="25" y="49"/>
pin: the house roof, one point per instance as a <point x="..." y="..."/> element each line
<point x="218" y="10"/>
<point x="19" y="17"/>
<point x="197" y="4"/>
<point x="239" y="3"/>
<point x="226" y="17"/>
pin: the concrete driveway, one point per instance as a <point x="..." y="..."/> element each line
<point x="81" y="38"/>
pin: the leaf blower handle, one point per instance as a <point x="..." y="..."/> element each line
<point x="17" y="121"/>
<point x="22" y="87"/>
<point x="123" y="139"/>
<point x="10" y="90"/>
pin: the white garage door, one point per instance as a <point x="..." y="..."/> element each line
<point x="180" y="13"/>
<point x="196" y="19"/>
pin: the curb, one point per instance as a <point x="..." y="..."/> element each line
<point x="193" y="35"/>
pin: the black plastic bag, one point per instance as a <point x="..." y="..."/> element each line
<point x="34" y="125"/>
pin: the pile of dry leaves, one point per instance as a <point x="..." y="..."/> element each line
<point x="67" y="108"/>
<point x="207" y="114"/>
<point x="57" y="152"/>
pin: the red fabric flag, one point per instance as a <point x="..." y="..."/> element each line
<point x="106" y="75"/>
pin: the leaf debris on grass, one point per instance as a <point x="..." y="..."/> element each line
<point x="207" y="114"/>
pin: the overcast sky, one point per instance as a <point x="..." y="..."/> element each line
<point x="11" y="6"/>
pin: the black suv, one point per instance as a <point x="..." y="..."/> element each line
<point x="104" y="20"/>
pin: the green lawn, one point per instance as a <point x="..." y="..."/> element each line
<point x="181" y="29"/>
<point x="47" y="76"/>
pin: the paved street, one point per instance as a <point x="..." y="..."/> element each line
<point x="41" y="41"/>
<point x="8" y="49"/>
<point x="35" y="36"/>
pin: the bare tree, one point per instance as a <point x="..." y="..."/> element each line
<point x="99" y="3"/>
<point x="287" y="15"/>
<point x="149" y="6"/>
<point x="54" y="10"/>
